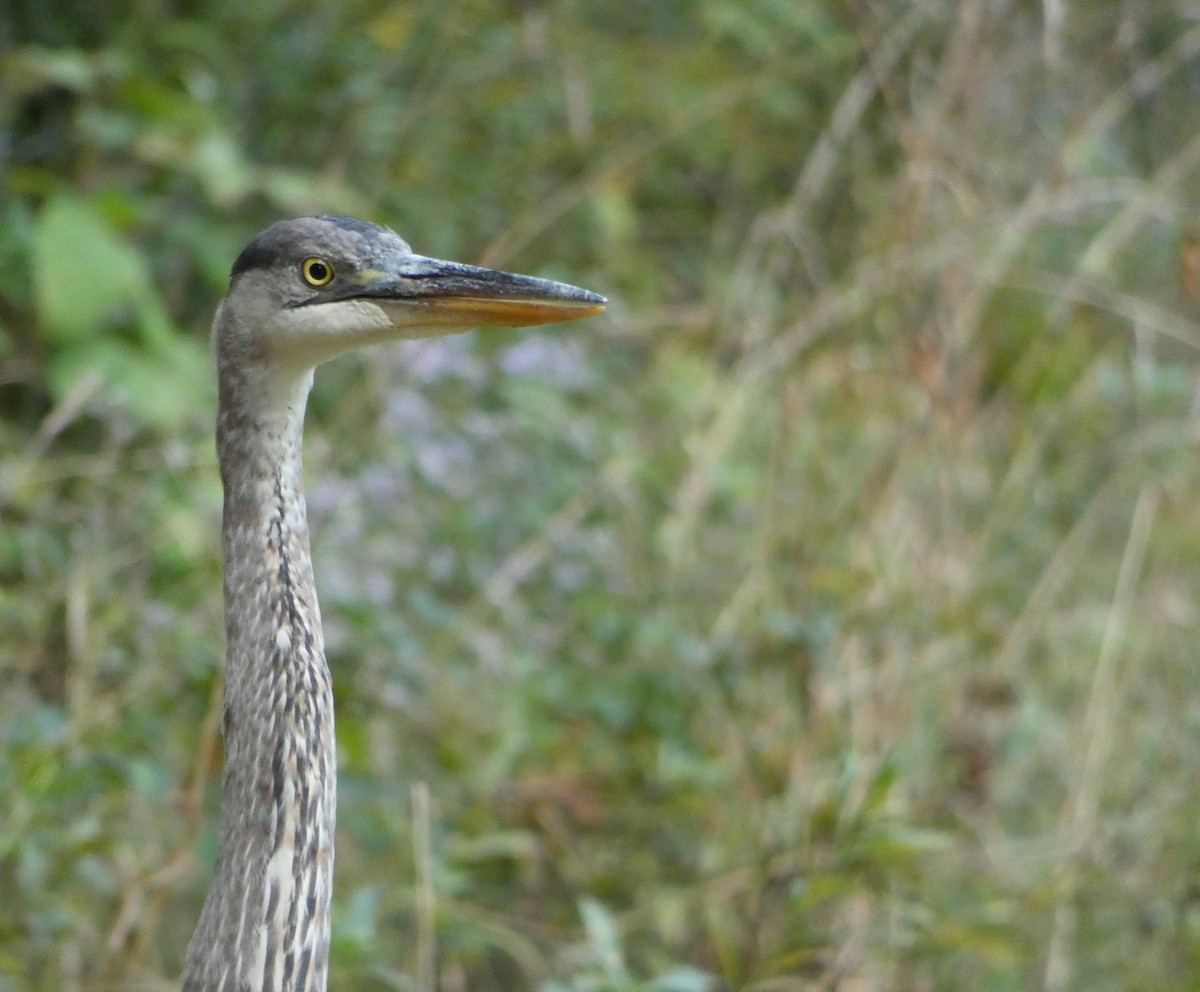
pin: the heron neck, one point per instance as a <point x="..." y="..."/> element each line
<point x="265" y="924"/>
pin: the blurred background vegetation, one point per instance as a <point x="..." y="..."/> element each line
<point x="823" y="617"/>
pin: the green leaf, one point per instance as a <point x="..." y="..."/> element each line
<point x="87" y="278"/>
<point x="603" y="938"/>
<point x="84" y="273"/>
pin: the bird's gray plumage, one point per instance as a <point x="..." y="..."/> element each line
<point x="265" y="924"/>
<point x="341" y="237"/>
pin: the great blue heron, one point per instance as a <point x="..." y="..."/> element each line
<point x="302" y="292"/>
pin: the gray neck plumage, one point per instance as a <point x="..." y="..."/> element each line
<point x="265" y="924"/>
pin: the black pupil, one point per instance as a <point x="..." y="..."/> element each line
<point x="318" y="271"/>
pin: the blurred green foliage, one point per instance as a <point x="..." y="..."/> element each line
<point x="822" y="617"/>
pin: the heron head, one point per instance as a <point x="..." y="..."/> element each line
<point x="306" y="290"/>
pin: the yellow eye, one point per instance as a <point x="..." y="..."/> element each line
<point x="316" y="271"/>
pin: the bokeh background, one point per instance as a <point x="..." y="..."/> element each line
<point x="825" y="616"/>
